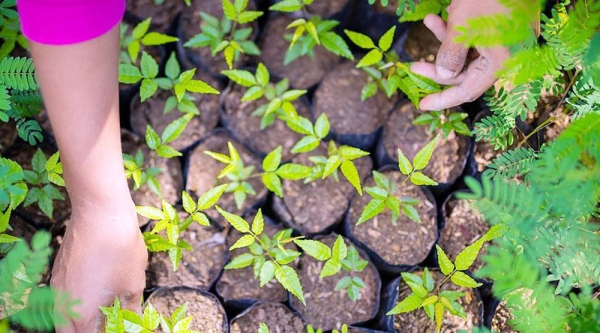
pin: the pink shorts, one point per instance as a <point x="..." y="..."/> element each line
<point x="60" y="22"/>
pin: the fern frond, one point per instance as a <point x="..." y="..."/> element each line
<point x="18" y="73"/>
<point x="28" y="129"/>
<point x="494" y="130"/>
<point x="584" y="98"/>
<point x="495" y="30"/>
<point x="532" y="64"/>
<point x="27" y="103"/>
<point x="511" y="163"/>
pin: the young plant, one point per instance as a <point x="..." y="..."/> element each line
<point x="398" y="75"/>
<point x="385" y="193"/>
<point x="429" y="296"/>
<point x="119" y="320"/>
<point x="310" y="32"/>
<point x="132" y="44"/>
<point x="225" y="35"/>
<point x="181" y="100"/>
<point x="445" y="121"/>
<point x="159" y="144"/>
<point x="352" y="284"/>
<point x="135" y="169"/>
<point x="178" y="83"/>
<point x="274" y="171"/>
<point x="10" y="28"/>
<point x="13" y="189"/>
<point x="43" y="179"/>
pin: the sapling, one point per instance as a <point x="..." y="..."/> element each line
<point x="310" y="31"/>
<point x="227" y="35"/>
<point x="45" y="175"/>
<point x="141" y="175"/>
<point x="445" y="121"/>
<point x="13" y="188"/>
<point x="131" y="44"/>
<point x="429" y="296"/>
<point x="385" y="194"/>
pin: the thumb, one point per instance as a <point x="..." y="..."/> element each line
<point x="451" y="56"/>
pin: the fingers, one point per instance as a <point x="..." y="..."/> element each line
<point x="451" y="56"/>
<point x="429" y="70"/>
<point x="437" y="25"/>
<point x="480" y="76"/>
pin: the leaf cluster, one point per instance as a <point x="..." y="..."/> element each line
<point x="447" y="122"/>
<point x="140" y="36"/>
<point x="45" y="175"/>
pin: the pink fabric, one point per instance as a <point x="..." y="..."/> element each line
<point x="60" y="22"/>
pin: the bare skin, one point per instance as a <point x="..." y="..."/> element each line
<point x="468" y="82"/>
<point x="103" y="255"/>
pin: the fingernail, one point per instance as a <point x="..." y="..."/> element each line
<point x="444" y="73"/>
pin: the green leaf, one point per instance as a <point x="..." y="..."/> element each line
<point x="241" y="261"/>
<point x="314" y="248"/>
<point x="167" y="151"/>
<point x="129" y="74"/>
<point x="175" y="128"/>
<point x="412" y="213"/>
<point x="351" y="173"/>
<point x="272" y="160"/>
<point x="211" y="197"/>
<point x="377" y="192"/>
<point x="439" y="316"/>
<point x="241" y="77"/>
<point x="467" y="256"/>
<point x="188" y="203"/>
<point x="410" y="303"/>
<point x="258" y="223"/>
<point x="424" y="155"/>
<point x="172" y="69"/>
<point x="273" y="183"/>
<point x="267" y="272"/>
<point x="288" y="278"/>
<point x="331" y="267"/>
<point x="360" y="40"/>
<point x="140" y="30"/>
<point x="147" y="89"/>
<point x="4" y="218"/>
<point x="335" y="44"/>
<point x="252" y="94"/>
<point x="351" y="153"/>
<point x="373" y="208"/>
<point x="200" y="87"/>
<point x="237" y="222"/>
<point x="249" y="16"/>
<point x="385" y="42"/>
<point x="494" y="232"/>
<point x="6" y="239"/>
<point x="262" y="75"/>
<point x="417" y="289"/>
<point x="292" y="95"/>
<point x="293" y="171"/>
<point x="152" y="213"/>
<point x="373" y="57"/>
<point x="463" y="280"/>
<point x="333" y="162"/>
<point x="429" y="300"/>
<point x="155" y="38"/>
<point x="322" y="126"/>
<point x="339" y="250"/>
<point x="312" y="30"/>
<point x="418" y="178"/>
<point x="229" y="10"/>
<point x="229" y="54"/>
<point x="446" y="266"/>
<point x="244" y="241"/>
<point x="262" y="328"/>
<point x="368" y="91"/>
<point x="287" y="6"/>
<point x="403" y="163"/>
<point x="306" y="144"/>
<point x="148" y="66"/>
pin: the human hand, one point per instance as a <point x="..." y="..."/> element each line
<point x="468" y="82"/>
<point x="101" y="258"/>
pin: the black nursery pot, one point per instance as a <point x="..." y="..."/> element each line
<point x="277" y="317"/>
<point x="449" y="158"/>
<point x="236" y="117"/>
<point x="326" y="308"/>
<point x="208" y="314"/>
<point x="238" y="287"/>
<point x="388" y="299"/>
<point x="353" y="122"/>
<point x="395" y="248"/>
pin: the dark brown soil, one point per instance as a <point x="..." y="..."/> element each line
<point x="162" y="15"/>
<point x="326" y="9"/>
<point x="246" y="128"/>
<point x="8" y="134"/>
<point x="407" y="242"/>
<point x="421" y="45"/>
<point x="303" y="72"/>
<point x="449" y="156"/>
<point x="22" y="153"/>
<point x="190" y="26"/>
<point x="350" y="115"/>
<point x="203" y="171"/>
<point x="151" y="112"/>
<point x="390" y="9"/>
<point x="198" y="268"/>
<point x="327" y="308"/>
<point x="417" y="321"/>
<point x="209" y="315"/>
<point x="240" y="284"/>
<point x="170" y="179"/>
<point x="275" y="315"/>
<point x="464" y="225"/>
<point x="318" y="205"/>
<point x="501" y="318"/>
<point x="548" y="108"/>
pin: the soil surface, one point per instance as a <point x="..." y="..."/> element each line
<point x="246" y="128"/>
<point x="318" y="205"/>
<point x="276" y="316"/>
<point x="303" y="72"/>
<point x="198" y="269"/>
<point x="417" y="321"/>
<point x="190" y="26"/>
<point x="328" y="8"/>
<point x="203" y="171"/>
<point x="9" y="134"/>
<point x="350" y="115"/>
<point x="170" y="179"/>
<point x="150" y="112"/>
<point x="407" y="242"/>
<point x="209" y="315"/>
<point x="327" y="308"/>
<point x="464" y="225"/>
<point x="390" y="9"/>
<point x="501" y="318"/>
<point x="449" y="157"/>
<point x="162" y="15"/>
<point x="240" y="284"/>
<point x="421" y="45"/>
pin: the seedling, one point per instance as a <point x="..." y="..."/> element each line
<point x="43" y="179"/>
<point x="445" y="121"/>
<point x="132" y="43"/>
